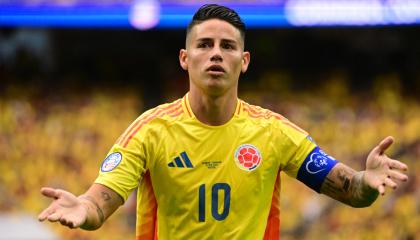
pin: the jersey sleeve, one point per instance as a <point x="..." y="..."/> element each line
<point x="124" y="166"/>
<point x="304" y="160"/>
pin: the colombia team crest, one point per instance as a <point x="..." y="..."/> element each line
<point x="248" y="157"/>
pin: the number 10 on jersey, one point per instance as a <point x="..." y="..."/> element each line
<point x="223" y="187"/>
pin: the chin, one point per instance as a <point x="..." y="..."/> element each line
<point x="214" y="85"/>
<point x="217" y="89"/>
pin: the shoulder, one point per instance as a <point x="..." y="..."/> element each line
<point x="257" y="112"/>
<point x="275" y="121"/>
<point x="152" y="120"/>
<point x="166" y="111"/>
<point x="264" y="115"/>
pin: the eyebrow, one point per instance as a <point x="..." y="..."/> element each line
<point x="223" y="40"/>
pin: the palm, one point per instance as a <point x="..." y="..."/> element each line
<point x="66" y="208"/>
<point x="382" y="171"/>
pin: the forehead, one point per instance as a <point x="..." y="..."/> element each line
<point x="215" y="29"/>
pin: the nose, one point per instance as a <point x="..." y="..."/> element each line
<point x="216" y="55"/>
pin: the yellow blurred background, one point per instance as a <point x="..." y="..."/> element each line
<point x="61" y="144"/>
<point x="66" y="95"/>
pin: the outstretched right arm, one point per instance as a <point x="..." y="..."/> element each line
<point x="88" y="211"/>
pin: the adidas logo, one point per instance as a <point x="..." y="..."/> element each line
<point x="181" y="162"/>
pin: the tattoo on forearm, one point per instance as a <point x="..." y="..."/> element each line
<point x="363" y="195"/>
<point x="356" y="186"/>
<point x="331" y="187"/>
<point x="343" y="175"/>
<point x="105" y="196"/>
<point x="346" y="185"/>
<point x="98" y="209"/>
<point x="338" y="184"/>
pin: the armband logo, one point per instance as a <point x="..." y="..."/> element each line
<point x="318" y="162"/>
<point x="315" y="168"/>
<point x="111" y="162"/>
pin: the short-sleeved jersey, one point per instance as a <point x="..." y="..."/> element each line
<point x="206" y="182"/>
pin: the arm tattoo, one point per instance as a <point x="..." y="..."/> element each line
<point x="330" y="188"/>
<point x="98" y="209"/>
<point x="105" y="196"/>
<point x="343" y="175"/>
<point x="337" y="183"/>
<point x="346" y="185"/>
<point x="363" y="195"/>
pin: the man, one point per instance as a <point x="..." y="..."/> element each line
<point x="207" y="166"/>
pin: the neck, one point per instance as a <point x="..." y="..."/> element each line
<point x="213" y="110"/>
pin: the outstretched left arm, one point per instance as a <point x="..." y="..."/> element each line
<point x="360" y="189"/>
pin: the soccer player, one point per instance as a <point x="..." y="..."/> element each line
<point x="207" y="166"/>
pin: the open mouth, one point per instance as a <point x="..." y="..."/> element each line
<point x="215" y="69"/>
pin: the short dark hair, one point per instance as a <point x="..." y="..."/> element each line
<point x="214" y="11"/>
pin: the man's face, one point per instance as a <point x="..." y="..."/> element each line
<point x="214" y="57"/>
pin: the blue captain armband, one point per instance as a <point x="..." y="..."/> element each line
<point x="315" y="168"/>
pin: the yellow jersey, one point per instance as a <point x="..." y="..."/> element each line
<point x="197" y="181"/>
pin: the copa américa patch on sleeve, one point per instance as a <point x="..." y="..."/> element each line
<point x="315" y="168"/>
<point x="111" y="162"/>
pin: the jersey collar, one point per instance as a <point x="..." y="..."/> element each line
<point x="187" y="107"/>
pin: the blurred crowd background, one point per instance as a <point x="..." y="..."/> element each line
<point x="67" y="94"/>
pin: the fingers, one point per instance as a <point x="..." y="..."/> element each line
<point x="394" y="164"/>
<point x="387" y="183"/>
<point x="394" y="170"/>
<point x="67" y="223"/>
<point x="381" y="189"/>
<point x="390" y="183"/>
<point x="58" y="217"/>
<point x="384" y="145"/>
<point x="54" y="217"/>
<point x="50" y="192"/>
<point x="60" y="208"/>
<point x="44" y="214"/>
<point x="397" y="175"/>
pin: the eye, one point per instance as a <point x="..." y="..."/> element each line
<point x="203" y="45"/>
<point x="228" y="46"/>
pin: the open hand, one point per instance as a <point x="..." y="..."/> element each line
<point x="382" y="171"/>
<point x="66" y="208"/>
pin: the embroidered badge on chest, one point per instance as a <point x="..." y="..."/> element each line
<point x="247" y="157"/>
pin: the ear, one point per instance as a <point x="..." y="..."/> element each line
<point x="246" y="57"/>
<point x="183" y="59"/>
